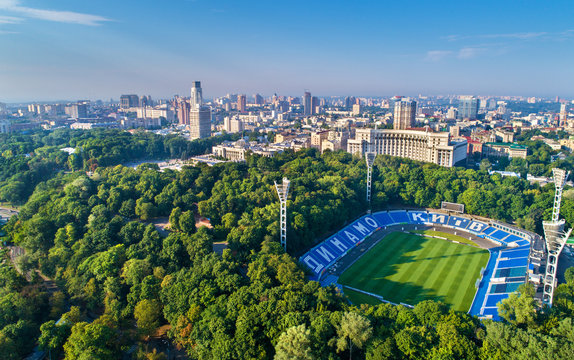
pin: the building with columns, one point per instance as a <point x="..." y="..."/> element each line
<point x="417" y="144"/>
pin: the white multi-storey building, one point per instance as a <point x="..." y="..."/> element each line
<point x="422" y="145"/>
<point x="405" y="112"/>
<point x="199" y="115"/>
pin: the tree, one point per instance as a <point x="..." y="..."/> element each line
<point x="148" y="314"/>
<point x="354" y="329"/>
<point x="520" y="308"/>
<point x="145" y="209"/>
<point x="174" y="218"/>
<point x="295" y="344"/>
<point x="97" y="340"/>
<point x="53" y="337"/>
<point x="485" y="165"/>
<point x="187" y="222"/>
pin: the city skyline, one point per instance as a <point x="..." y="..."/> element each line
<point x="62" y="49"/>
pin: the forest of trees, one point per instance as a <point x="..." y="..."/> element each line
<point x="119" y="278"/>
<point x="28" y="159"/>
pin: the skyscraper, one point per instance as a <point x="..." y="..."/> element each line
<point x="307" y="103"/>
<point x="468" y="108"/>
<point x="315" y="104"/>
<point x="563" y="114"/>
<point x="199" y="115"/>
<point x="196" y="95"/>
<point x="241" y="103"/>
<point x="405" y="111"/>
<point x="129" y="101"/>
<point x="183" y="111"/>
<point x="258" y="99"/>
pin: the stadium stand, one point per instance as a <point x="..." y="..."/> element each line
<point x="498" y="235"/>
<point x="505" y="271"/>
<point x="488" y="230"/>
<point x="400" y="217"/>
<point x="383" y="218"/>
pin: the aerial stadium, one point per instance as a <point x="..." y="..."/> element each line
<point x="468" y="262"/>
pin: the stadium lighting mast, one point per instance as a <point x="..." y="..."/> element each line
<point x="555" y="237"/>
<point x="370" y="159"/>
<point x="282" y="192"/>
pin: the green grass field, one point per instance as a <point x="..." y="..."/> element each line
<point x="451" y="237"/>
<point x="408" y="268"/>
<point x="360" y="298"/>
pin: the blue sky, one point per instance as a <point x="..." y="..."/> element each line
<point x="63" y="49"/>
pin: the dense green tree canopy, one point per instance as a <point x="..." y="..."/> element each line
<point x="98" y="236"/>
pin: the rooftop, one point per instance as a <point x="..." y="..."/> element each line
<point x="510" y="145"/>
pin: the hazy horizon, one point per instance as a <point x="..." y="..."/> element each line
<point x="63" y="49"/>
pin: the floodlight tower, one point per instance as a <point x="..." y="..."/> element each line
<point x="555" y="236"/>
<point x="370" y="158"/>
<point x="282" y="192"/>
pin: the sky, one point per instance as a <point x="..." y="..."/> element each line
<point x="68" y="49"/>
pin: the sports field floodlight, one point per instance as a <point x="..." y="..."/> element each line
<point x="370" y="159"/>
<point x="560" y="177"/>
<point x="555" y="237"/>
<point x="283" y="192"/>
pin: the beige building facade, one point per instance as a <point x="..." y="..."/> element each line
<point x="421" y="145"/>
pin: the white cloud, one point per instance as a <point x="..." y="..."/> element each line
<point x="52" y="15"/>
<point x="437" y="55"/>
<point x="10" y="20"/>
<point x="516" y="36"/>
<point x="522" y="36"/>
<point x="469" y="52"/>
<point x="464" y="53"/>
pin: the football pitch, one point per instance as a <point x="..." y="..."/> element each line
<point x="408" y="268"/>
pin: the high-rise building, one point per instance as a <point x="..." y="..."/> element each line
<point x="233" y="124"/>
<point x="129" y="101"/>
<point x="405" y="112"/>
<point x="196" y="95"/>
<point x="563" y="114"/>
<point x="200" y="123"/>
<point x="199" y="115"/>
<point x="452" y="113"/>
<point x="349" y="101"/>
<point x="146" y="101"/>
<point x="241" y="103"/>
<point x="357" y="109"/>
<point x="315" y="105"/>
<point x="183" y="110"/>
<point x="307" y="103"/>
<point x="77" y="111"/>
<point x="468" y="108"/>
<point x="258" y="99"/>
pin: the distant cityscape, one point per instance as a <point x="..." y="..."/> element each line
<point x="444" y="130"/>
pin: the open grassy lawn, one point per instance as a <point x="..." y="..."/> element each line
<point x="451" y="237"/>
<point x="360" y="298"/>
<point x="408" y="268"/>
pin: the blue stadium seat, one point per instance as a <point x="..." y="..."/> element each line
<point x="492" y="312"/>
<point x="437" y="218"/>
<point x="459" y="222"/>
<point x="493" y="299"/>
<point x="512" y="254"/>
<point x="399" y="217"/>
<point x="489" y="230"/>
<point x="418" y="217"/>
<point x="512" y="263"/>
<point x="383" y="218"/>
<point x="512" y="238"/>
<point x="523" y="243"/>
<point x="499" y="235"/>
